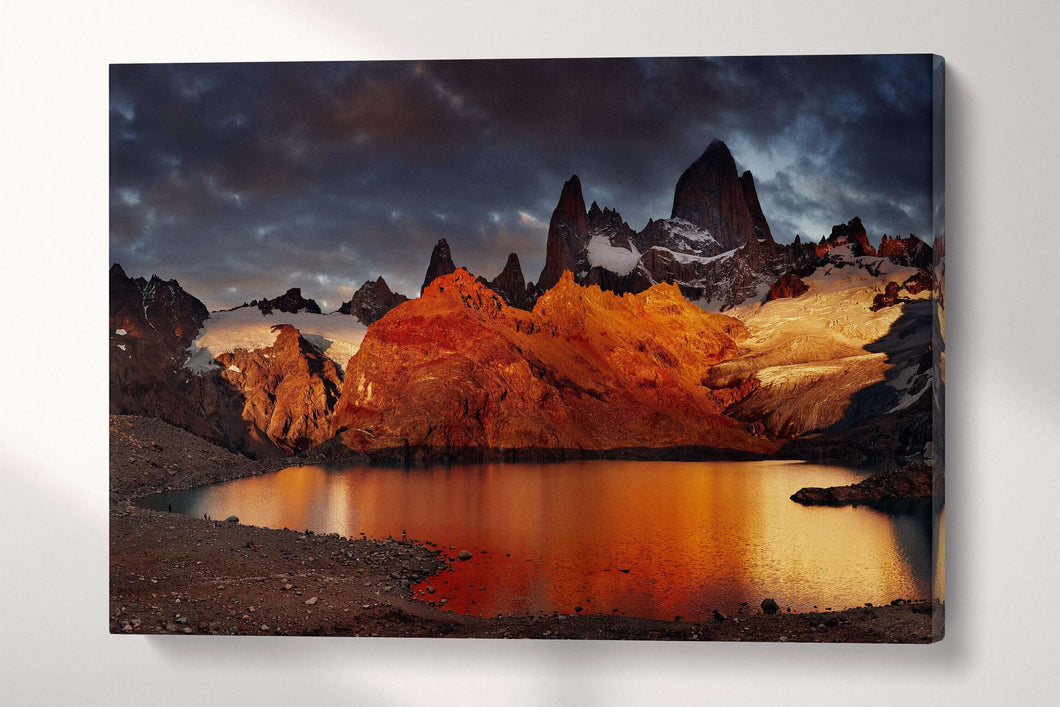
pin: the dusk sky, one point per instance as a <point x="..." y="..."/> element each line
<point x="243" y="180"/>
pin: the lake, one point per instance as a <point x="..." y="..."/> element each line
<point x="648" y="539"/>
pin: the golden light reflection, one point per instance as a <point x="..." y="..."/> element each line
<point x="651" y="539"/>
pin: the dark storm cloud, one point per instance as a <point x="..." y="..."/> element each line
<point x="243" y="180"/>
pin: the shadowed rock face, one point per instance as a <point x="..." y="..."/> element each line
<point x="372" y="301"/>
<point x="584" y="369"/>
<point x="289" y="389"/>
<point x="709" y="195"/>
<point x="789" y="285"/>
<point x="511" y="286"/>
<point x="750" y="195"/>
<point x="291" y="302"/>
<point x="567" y="235"/>
<point x="152" y="323"/>
<point x="441" y="264"/>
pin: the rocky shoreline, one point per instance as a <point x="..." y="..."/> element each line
<point x="910" y="483"/>
<point x="174" y="574"/>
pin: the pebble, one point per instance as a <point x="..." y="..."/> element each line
<point x="311" y="601"/>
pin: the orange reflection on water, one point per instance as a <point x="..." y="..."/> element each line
<point x="652" y="539"/>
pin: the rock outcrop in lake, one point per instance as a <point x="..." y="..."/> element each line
<point x="910" y="482"/>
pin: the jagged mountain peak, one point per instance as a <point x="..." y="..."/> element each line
<point x="372" y="301"/>
<point x="711" y="196"/>
<point x="441" y="263"/>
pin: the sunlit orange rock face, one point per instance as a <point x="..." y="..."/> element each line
<point x="585" y="369"/>
<point x="289" y="389"/>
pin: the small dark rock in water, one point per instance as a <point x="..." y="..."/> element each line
<point x="769" y="606"/>
<point x="718" y="616"/>
<point x="464" y="555"/>
<point x="231" y="519"/>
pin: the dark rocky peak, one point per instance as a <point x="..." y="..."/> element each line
<point x="291" y="302"/>
<point x="511" y="285"/>
<point x="161" y="306"/>
<point x="372" y="301"/>
<point x="750" y="194"/>
<point x="609" y="224"/>
<point x="571" y="206"/>
<point x="441" y="264"/>
<point x="851" y="233"/>
<point x="710" y="195"/>
<point x="567" y="235"/>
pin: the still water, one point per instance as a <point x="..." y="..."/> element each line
<point x="650" y="539"/>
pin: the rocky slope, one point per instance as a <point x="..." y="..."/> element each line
<point x="585" y="369"/>
<point x="289" y="389"/>
<point x="372" y="301"/>
<point x="263" y="402"/>
<point x="846" y="378"/>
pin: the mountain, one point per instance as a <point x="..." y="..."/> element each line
<point x="583" y="370"/>
<point x="711" y="197"/>
<point x="511" y="285"/>
<point x="372" y="301"/>
<point x="289" y="389"/>
<point x="262" y="402"/>
<point x="716" y="245"/>
<point x="852" y="233"/>
<point x="290" y="301"/>
<point x="441" y="263"/>
<point x="906" y="251"/>
<point x="829" y="368"/>
<point x="567" y="235"/>
<point x="152" y="322"/>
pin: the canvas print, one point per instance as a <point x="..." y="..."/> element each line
<point x="645" y="348"/>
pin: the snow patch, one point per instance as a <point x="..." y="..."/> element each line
<point x="681" y="228"/>
<point x="337" y="336"/>
<point x="604" y="255"/>
<point x="688" y="258"/>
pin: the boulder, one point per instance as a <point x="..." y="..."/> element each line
<point x="789" y="285"/>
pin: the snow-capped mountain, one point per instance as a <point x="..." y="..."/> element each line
<point x="716" y="245"/>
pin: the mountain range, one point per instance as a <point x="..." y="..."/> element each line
<point x="615" y="348"/>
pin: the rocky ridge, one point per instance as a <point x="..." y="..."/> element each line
<point x="585" y="369"/>
<point x="372" y="301"/>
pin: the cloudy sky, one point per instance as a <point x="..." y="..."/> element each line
<point x="241" y="180"/>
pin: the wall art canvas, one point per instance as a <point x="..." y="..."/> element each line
<point x="636" y="348"/>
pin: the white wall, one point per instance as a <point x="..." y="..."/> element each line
<point x="1003" y="640"/>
